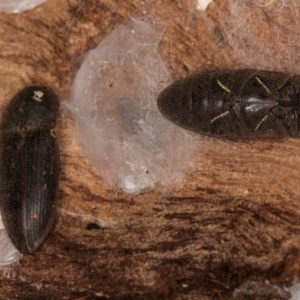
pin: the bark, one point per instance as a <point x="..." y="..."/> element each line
<point x="234" y="219"/>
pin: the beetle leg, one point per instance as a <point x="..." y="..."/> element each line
<point x="294" y="123"/>
<point x="264" y="119"/>
<point x="263" y="84"/>
<point x="277" y="124"/>
<point x="223" y="86"/>
<point x="236" y="124"/>
<point x="222" y="115"/>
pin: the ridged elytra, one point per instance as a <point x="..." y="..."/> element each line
<point x="29" y="167"/>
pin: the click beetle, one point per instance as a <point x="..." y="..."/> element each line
<point x="235" y="104"/>
<point x="29" y="167"/>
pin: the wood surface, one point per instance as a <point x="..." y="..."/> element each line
<point x="234" y="219"/>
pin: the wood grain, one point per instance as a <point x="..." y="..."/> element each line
<point x="236" y="216"/>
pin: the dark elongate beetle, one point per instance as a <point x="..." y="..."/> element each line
<point x="29" y="167"/>
<point x="235" y="104"/>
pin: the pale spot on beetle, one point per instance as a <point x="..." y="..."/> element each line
<point x="38" y="96"/>
<point x="52" y="133"/>
<point x="35" y="216"/>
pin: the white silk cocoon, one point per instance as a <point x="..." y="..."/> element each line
<point x="18" y="6"/>
<point x="114" y="104"/>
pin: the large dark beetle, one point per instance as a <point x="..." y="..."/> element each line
<point x="235" y="104"/>
<point x="29" y="167"/>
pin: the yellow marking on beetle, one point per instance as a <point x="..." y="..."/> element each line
<point x="224" y="114"/>
<point x="264" y="119"/>
<point x="224" y="87"/>
<point x="262" y="84"/>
